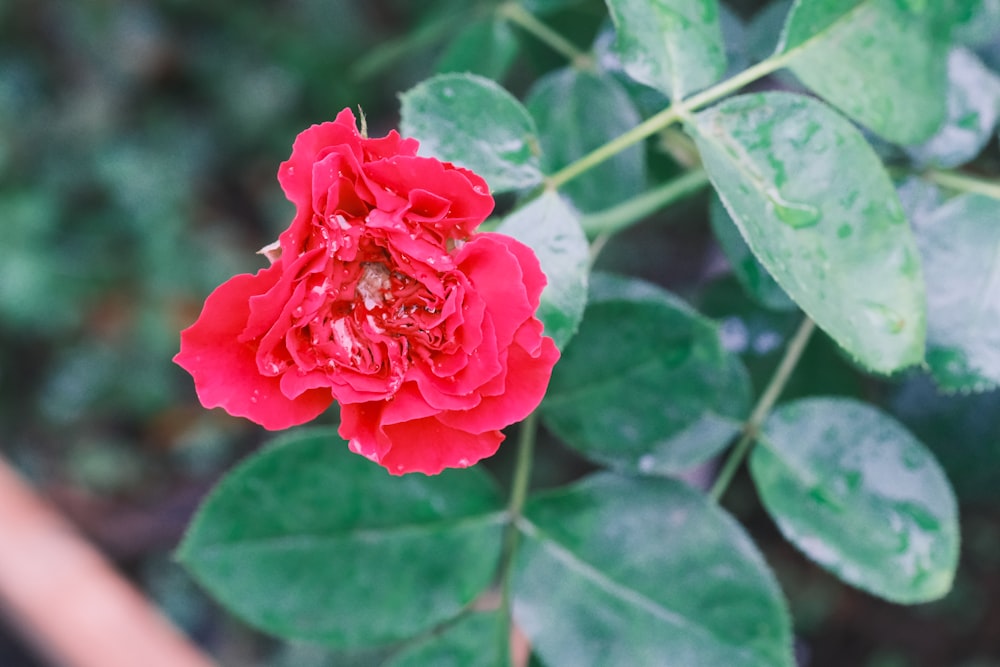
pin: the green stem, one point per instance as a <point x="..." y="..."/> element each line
<point x="963" y="183"/>
<point x="522" y="470"/>
<point x="760" y="411"/>
<point x="629" y="212"/>
<point x="644" y="129"/>
<point x="518" y="494"/>
<point x="665" y="118"/>
<point x="518" y="15"/>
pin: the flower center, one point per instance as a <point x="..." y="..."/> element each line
<point x="373" y="285"/>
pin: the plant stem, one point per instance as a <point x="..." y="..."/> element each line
<point x="763" y="407"/>
<point x="665" y="118"/>
<point x="963" y="183"/>
<point x="518" y="494"/>
<point x="518" y="15"/>
<point x="522" y="470"/>
<point x="629" y="212"/>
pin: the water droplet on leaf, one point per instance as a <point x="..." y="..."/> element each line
<point x="795" y="215"/>
<point x="885" y="317"/>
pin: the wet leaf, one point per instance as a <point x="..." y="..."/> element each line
<point x="307" y="540"/>
<point x="621" y="571"/>
<point x="645" y="385"/>
<point x="858" y="494"/>
<point x="473" y="122"/>
<point x="576" y="112"/>
<point x="674" y="46"/>
<point x="876" y="61"/>
<point x="960" y="244"/>
<point x="750" y="273"/>
<point x="552" y="229"/>
<point x="817" y="208"/>
<point x="973" y="107"/>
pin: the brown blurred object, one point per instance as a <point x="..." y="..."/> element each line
<point x="67" y="600"/>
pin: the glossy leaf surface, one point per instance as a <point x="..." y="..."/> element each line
<point x="576" y="112"/>
<point x="960" y="244"/>
<point x="307" y="540"/>
<point x="552" y="229"/>
<point x="644" y="572"/>
<point x="646" y="384"/>
<point x="858" y="494"/>
<point x="473" y="122"/>
<point x="973" y="107"/>
<point x="876" y="61"/>
<point x="674" y="46"/>
<point x="817" y="208"/>
<point x="750" y="273"/>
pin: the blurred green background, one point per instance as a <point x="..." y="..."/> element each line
<point x="139" y="143"/>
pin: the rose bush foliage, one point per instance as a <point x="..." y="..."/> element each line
<point x="380" y="297"/>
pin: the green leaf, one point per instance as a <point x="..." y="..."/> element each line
<point x="760" y="337"/>
<point x="973" y="107"/>
<point x="478" y="640"/>
<point x="576" y="112"/>
<point x="750" y="273"/>
<point x="307" y="540"/>
<point x="807" y="20"/>
<point x="619" y="571"/>
<point x="486" y="47"/>
<point x="674" y="46"/>
<point x="973" y="22"/>
<point x="960" y="244"/>
<point x="473" y="122"/>
<point x="854" y="491"/>
<point x="764" y="28"/>
<point x="552" y="229"/>
<point x="962" y="430"/>
<point x="548" y="6"/>
<point x="815" y="205"/>
<point x="645" y="385"/>
<point x="874" y="60"/>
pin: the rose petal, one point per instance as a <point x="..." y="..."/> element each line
<point x="380" y="299"/>
<point x="470" y="198"/>
<point x="428" y="446"/>
<point x="295" y="174"/>
<point x="527" y="379"/>
<point x="531" y="268"/>
<point x="496" y="277"/>
<point x="225" y="371"/>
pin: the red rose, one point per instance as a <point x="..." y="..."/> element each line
<point x="380" y="297"/>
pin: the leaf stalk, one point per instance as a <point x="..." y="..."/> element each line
<point x="793" y="353"/>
